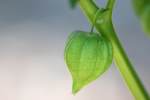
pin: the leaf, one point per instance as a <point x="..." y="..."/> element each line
<point x="73" y="3"/>
<point x="145" y="20"/>
<point x="87" y="56"/>
<point x="139" y="5"/>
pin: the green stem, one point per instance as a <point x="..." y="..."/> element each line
<point x="124" y="65"/>
<point x="94" y="19"/>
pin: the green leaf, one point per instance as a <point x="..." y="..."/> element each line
<point x="73" y="3"/>
<point x="139" y="5"/>
<point x="145" y="19"/>
<point x="142" y="9"/>
<point x="88" y="56"/>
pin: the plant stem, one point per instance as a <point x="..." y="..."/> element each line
<point x="124" y="65"/>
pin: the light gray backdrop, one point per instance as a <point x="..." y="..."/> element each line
<point x="32" y="40"/>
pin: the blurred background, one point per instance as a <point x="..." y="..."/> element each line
<point x="32" y="41"/>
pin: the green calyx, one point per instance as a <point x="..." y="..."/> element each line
<point x="87" y="56"/>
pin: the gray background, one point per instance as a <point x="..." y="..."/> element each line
<point x="32" y="40"/>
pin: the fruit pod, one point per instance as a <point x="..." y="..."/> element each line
<point x="87" y="56"/>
